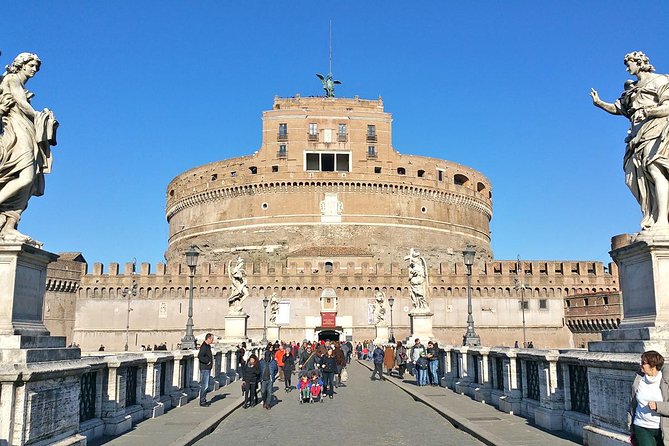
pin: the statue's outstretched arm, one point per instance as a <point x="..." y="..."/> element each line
<point x="606" y="106"/>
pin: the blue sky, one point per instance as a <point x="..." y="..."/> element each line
<point x="146" y="90"/>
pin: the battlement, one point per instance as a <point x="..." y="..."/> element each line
<point x="497" y="268"/>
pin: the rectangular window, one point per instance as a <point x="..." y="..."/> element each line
<point x="543" y="304"/>
<point x="275" y="168"/>
<point x="283" y="150"/>
<point x="371" y="151"/>
<point x="327" y="161"/>
<point x="342" y="129"/>
<point x="342" y="162"/>
<point x="377" y="170"/>
<point x="440" y="175"/>
<point x="283" y="132"/>
<point x="313" y="129"/>
<point x="313" y="161"/>
<point x="371" y="133"/>
<point x="524" y="304"/>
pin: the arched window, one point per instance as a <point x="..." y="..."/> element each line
<point x="460" y="180"/>
<point x="401" y="171"/>
<point x="328" y="267"/>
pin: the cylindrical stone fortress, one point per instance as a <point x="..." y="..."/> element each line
<point x="327" y="175"/>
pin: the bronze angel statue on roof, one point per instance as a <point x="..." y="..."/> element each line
<point x="328" y="84"/>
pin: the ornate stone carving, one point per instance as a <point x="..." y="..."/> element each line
<point x="25" y="141"/>
<point x="645" y="102"/>
<point x="239" y="288"/>
<point x="273" y="308"/>
<point x="418" y="281"/>
<point x="379" y="308"/>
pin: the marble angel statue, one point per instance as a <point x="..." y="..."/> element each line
<point x="25" y="145"/>
<point x="417" y="280"/>
<point x="239" y="289"/>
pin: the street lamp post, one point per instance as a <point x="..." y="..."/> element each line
<point x="391" y="301"/>
<point x="471" y="338"/>
<point x="127" y="293"/>
<point x="520" y="285"/>
<point x="265" y="302"/>
<point x="188" y="341"/>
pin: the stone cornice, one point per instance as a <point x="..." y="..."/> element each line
<point x="223" y="193"/>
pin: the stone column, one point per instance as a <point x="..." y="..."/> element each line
<point x="510" y="402"/>
<point x="462" y="384"/>
<point x="483" y="389"/>
<point x="550" y="413"/>
<point x="178" y="395"/>
<point x="151" y="404"/>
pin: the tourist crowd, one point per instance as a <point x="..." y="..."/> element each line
<point x="320" y="368"/>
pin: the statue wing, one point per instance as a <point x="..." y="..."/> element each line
<point x="320" y="76"/>
<point x="422" y="261"/>
<point x="337" y="82"/>
<point x="230" y="271"/>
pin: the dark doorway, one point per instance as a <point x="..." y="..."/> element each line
<point x="328" y="335"/>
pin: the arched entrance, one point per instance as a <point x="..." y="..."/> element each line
<point x="328" y="335"/>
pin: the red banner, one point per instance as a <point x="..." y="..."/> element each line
<point x="328" y="320"/>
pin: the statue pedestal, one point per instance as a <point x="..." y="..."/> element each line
<point x="273" y="333"/>
<point x="421" y="325"/>
<point x="382" y="335"/>
<point x="644" y="281"/>
<point x="235" y="328"/>
<point x="23" y="336"/>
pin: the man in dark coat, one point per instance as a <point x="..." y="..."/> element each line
<point x="377" y="358"/>
<point x="268" y="370"/>
<point x="206" y="360"/>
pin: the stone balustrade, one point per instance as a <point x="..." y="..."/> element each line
<point x="576" y="391"/>
<point x="117" y="390"/>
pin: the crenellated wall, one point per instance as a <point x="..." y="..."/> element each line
<point x="159" y="309"/>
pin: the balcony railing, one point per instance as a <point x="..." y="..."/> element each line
<point x="372" y="155"/>
<point x="312" y="137"/>
<point x="342" y="137"/>
<point x="282" y="154"/>
<point x="281" y="136"/>
<point x="371" y="137"/>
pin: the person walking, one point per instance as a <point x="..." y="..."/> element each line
<point x="648" y="413"/>
<point x="389" y="359"/>
<point x="340" y="357"/>
<point x="329" y="367"/>
<point x="433" y="363"/>
<point x="268" y="370"/>
<point x="250" y="375"/>
<point x="279" y="351"/>
<point x="401" y="358"/>
<point x="377" y="358"/>
<point x="206" y="360"/>
<point x="414" y="355"/>
<point x="288" y="367"/>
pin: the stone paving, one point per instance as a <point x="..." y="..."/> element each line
<point x="482" y="420"/>
<point x="363" y="412"/>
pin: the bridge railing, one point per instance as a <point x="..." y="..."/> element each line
<point x="552" y="388"/>
<point x="120" y="389"/>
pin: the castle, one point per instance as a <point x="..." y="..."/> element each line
<point x="323" y="214"/>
